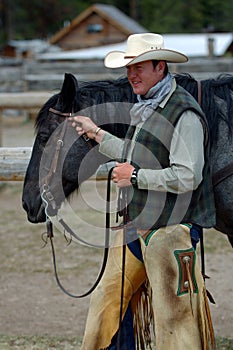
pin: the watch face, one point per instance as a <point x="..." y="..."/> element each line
<point x="134" y="178"/>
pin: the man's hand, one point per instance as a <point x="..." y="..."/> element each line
<point x="122" y="174"/>
<point x="84" y="125"/>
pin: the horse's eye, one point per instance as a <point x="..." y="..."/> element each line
<point x="45" y="133"/>
<point x="43" y="137"/>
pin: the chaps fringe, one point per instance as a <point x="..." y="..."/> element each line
<point x="205" y="323"/>
<point x="143" y="317"/>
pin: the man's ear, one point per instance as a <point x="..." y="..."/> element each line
<point x="161" y="66"/>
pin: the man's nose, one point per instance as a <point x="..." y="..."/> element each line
<point x="131" y="73"/>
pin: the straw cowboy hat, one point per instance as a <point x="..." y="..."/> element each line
<point x="143" y="47"/>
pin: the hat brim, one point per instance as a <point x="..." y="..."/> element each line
<point x="116" y="59"/>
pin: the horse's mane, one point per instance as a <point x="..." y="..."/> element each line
<point x="217" y="103"/>
<point x="94" y="92"/>
<point x="216" y="99"/>
<point x="118" y="90"/>
<point x="106" y="84"/>
<point x="188" y="83"/>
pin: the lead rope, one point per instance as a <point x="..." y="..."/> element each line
<point x="202" y="249"/>
<point x="201" y="232"/>
<point x="50" y="236"/>
<point x="123" y="267"/>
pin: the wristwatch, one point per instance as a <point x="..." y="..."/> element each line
<point x="134" y="178"/>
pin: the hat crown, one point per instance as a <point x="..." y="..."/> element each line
<point x="143" y="47"/>
<point x="138" y="44"/>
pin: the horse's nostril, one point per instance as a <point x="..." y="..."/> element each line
<point x="24" y="205"/>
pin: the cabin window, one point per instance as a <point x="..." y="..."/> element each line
<point x="94" y="28"/>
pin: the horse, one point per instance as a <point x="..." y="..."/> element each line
<point x="108" y="104"/>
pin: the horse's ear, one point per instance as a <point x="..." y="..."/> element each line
<point x="69" y="90"/>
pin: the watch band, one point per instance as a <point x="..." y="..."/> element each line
<point x="134" y="178"/>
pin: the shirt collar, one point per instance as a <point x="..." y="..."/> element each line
<point x="164" y="102"/>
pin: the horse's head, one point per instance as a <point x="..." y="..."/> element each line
<point x="60" y="159"/>
<point x="47" y="124"/>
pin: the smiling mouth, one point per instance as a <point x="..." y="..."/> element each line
<point x="135" y="83"/>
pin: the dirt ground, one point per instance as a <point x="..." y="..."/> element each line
<point x="31" y="302"/>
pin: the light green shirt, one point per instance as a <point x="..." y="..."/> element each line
<point x="186" y="157"/>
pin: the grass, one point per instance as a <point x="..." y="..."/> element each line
<point x="38" y="343"/>
<point x="62" y="343"/>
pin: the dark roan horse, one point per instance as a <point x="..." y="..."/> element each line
<point x="108" y="104"/>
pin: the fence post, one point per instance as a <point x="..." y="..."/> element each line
<point x="1" y="121"/>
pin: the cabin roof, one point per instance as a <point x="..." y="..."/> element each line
<point x="110" y="13"/>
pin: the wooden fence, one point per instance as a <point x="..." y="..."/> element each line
<point x="27" y="101"/>
<point x="14" y="162"/>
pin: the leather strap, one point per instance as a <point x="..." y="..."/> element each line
<point x="50" y="235"/>
<point x="199" y="92"/>
<point x="55" y="111"/>
<point x="222" y="174"/>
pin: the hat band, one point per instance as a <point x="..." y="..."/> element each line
<point x="129" y="57"/>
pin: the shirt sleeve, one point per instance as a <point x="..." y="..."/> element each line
<point x="186" y="159"/>
<point x="111" y="146"/>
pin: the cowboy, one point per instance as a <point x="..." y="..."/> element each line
<point x="163" y="174"/>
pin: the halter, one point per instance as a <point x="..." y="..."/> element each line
<point x="48" y="199"/>
<point x="67" y="115"/>
<point x="47" y="195"/>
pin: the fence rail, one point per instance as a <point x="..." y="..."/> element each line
<point x="14" y="162"/>
<point x="25" y="101"/>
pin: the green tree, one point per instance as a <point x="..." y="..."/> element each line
<point x="172" y="17"/>
<point x="217" y="15"/>
<point x="39" y="19"/>
<point x="28" y="19"/>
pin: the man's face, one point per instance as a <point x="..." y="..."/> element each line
<point x="142" y="76"/>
